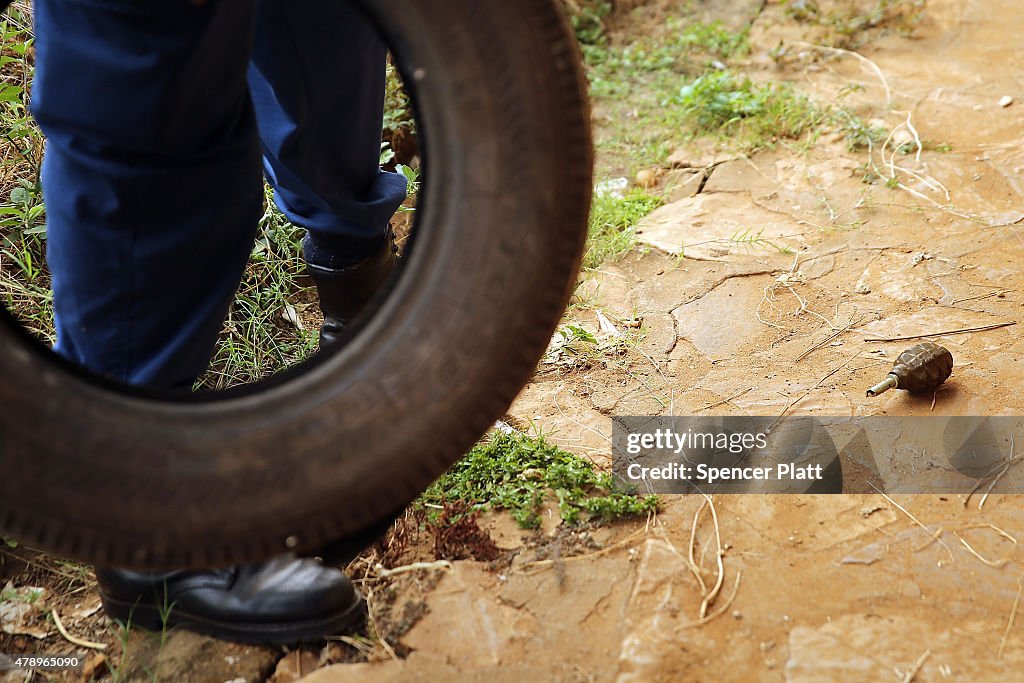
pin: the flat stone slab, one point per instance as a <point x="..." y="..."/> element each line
<point x="719" y="323"/>
<point x="717" y="228"/>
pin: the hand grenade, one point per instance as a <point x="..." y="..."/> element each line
<point x="919" y="369"/>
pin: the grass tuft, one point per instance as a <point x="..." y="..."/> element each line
<point x="687" y="48"/>
<point x="517" y="473"/>
<point x="726" y="103"/>
<point x="24" y="280"/>
<point x="588" y="19"/>
<point x="613" y="222"/>
<point x="851" y="23"/>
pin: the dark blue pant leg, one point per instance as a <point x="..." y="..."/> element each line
<point x="152" y="178"/>
<point x="317" y="82"/>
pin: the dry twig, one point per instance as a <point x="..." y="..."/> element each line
<point x="1013" y="616"/>
<point x="910" y="674"/>
<point x="537" y="565"/>
<point x="993" y="476"/>
<point x="718" y="612"/>
<point x="372" y="617"/>
<point x="415" y="566"/>
<point x="962" y="330"/>
<point x="694" y="569"/>
<point x="935" y="535"/>
<point x="861" y="58"/>
<point x="724" y="400"/>
<point x="710" y="597"/>
<point x="819" y="383"/>
<point x="75" y="640"/>
<point x="835" y="333"/>
<point x="996" y="292"/>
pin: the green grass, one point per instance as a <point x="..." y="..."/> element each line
<point x="263" y="332"/>
<point x="588" y="19"/>
<point x="851" y="23"/>
<point x="728" y="104"/>
<point x="859" y="133"/>
<point x="684" y="48"/>
<point x="24" y="280"/>
<point x="397" y="107"/>
<point x="632" y="87"/>
<point x="613" y="222"/>
<point x="518" y="473"/>
<point x="123" y="633"/>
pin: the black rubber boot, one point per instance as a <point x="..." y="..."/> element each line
<point x="284" y="600"/>
<point x="344" y="292"/>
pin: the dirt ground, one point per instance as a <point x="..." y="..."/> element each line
<point x="753" y="588"/>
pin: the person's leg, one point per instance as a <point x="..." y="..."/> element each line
<point x="153" y="189"/>
<point x="151" y="178"/>
<point x="317" y="82"/>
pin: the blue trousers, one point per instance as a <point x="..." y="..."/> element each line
<point x="162" y="118"/>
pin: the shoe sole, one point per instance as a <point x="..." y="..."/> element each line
<point x="283" y="633"/>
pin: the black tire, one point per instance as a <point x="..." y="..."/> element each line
<point x="104" y="475"/>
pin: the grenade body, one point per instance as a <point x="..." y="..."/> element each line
<point x="919" y="369"/>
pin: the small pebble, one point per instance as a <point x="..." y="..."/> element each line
<point x="1005" y="101"/>
<point x="647" y="178"/>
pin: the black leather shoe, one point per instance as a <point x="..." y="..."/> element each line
<point x="344" y="292"/>
<point x="285" y="600"/>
